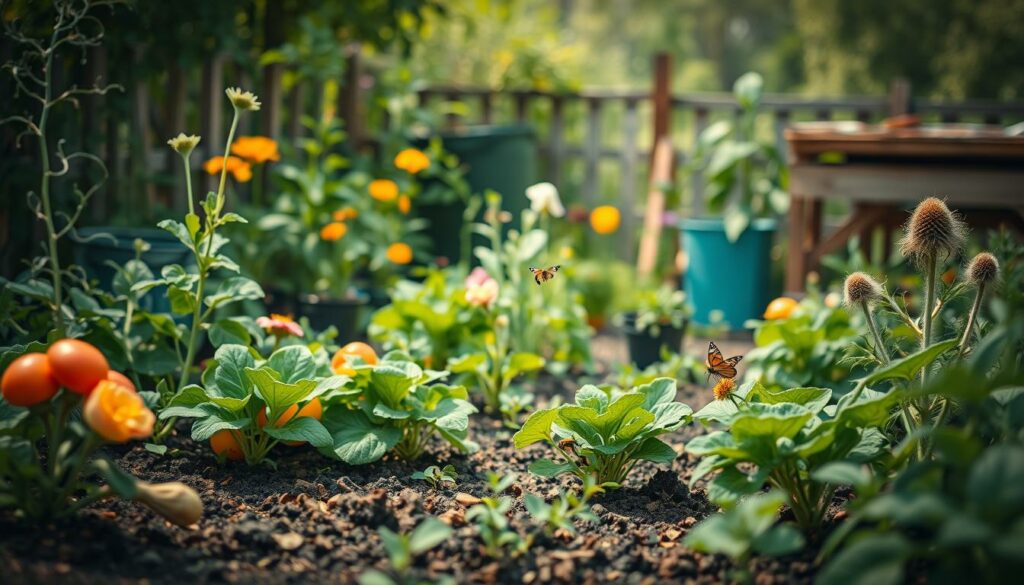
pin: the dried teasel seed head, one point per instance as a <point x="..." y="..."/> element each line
<point x="983" y="269"/>
<point x="860" y="287"/>
<point x="932" y="229"/>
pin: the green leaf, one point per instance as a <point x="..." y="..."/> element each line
<point x="276" y="394"/>
<point x="204" y="428"/>
<point x="356" y="439"/>
<point x="466" y="363"/>
<point x="228" y="331"/>
<point x="301" y="428"/>
<point x="537" y="428"/>
<point x="736" y="220"/>
<point x="655" y="450"/>
<point x="179" y="231"/>
<point x="908" y="368"/>
<point x="192" y="225"/>
<point x="996" y="482"/>
<point x="428" y="534"/>
<point x="814" y="399"/>
<point x="780" y="540"/>
<point x="183" y="302"/>
<point x="875" y="560"/>
<point x="123" y="483"/>
<point x="549" y="468"/>
<point x="731" y="485"/>
<point x="747" y="90"/>
<point x="521" y="362"/>
<point x="872" y="409"/>
<point x="234" y="289"/>
<point x="592" y="397"/>
<point x="658" y="392"/>
<point x="391" y="382"/>
<point x="843" y="473"/>
<point x="770" y="420"/>
<point x="716" y="443"/>
<point x="229" y="377"/>
<point x="293" y="363"/>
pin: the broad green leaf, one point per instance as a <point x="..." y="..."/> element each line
<point x="814" y="399"/>
<point x="521" y="362"/>
<point x="229" y="377"/>
<point x="716" y="443"/>
<point x="736" y="219"/>
<point x="428" y="534"/>
<point x="179" y="231"/>
<point x="729" y="486"/>
<point x="872" y="409"/>
<point x="875" y="560"/>
<point x="770" y="420"/>
<point x="356" y="439"/>
<point x="722" y="411"/>
<point x="779" y="540"/>
<point x="228" y="331"/>
<point x="747" y="89"/>
<point x="549" y="468"/>
<point x="592" y="397"/>
<point x="293" y="363"/>
<point x="705" y="466"/>
<point x="658" y="392"/>
<point x="302" y="428"/>
<point x="655" y="450"/>
<point x="995" y="485"/>
<point x="183" y="302"/>
<point x="204" y="428"/>
<point x="391" y="382"/>
<point x="234" y="289"/>
<point x="908" y="368"/>
<point x="276" y="394"/>
<point x="670" y="416"/>
<point x="536" y="428"/>
<point x="466" y="363"/>
<point x="843" y="473"/>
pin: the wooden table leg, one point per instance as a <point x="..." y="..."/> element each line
<point x="812" y="233"/>
<point x="796" y="266"/>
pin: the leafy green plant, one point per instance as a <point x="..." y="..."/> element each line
<point x="491" y="518"/>
<point x="750" y="527"/>
<point x="403" y="548"/>
<point x="438" y="477"/>
<point x="680" y="366"/>
<point x="496" y="367"/>
<point x="743" y="177"/>
<point x="606" y="431"/>
<point x="806" y="348"/>
<point x="396" y="406"/>
<point x="241" y="392"/>
<point x="650" y="310"/>
<point x="560" y="514"/>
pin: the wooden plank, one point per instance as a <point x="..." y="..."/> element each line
<point x="211" y="109"/>
<point x="555" y="140"/>
<point x="627" y="180"/>
<point x="593" y="148"/>
<point x="905" y="183"/>
<point x="796" y="265"/>
<point x="349" y="99"/>
<point x="487" y="107"/>
<point x="661" y="174"/>
<point x="521" y="106"/>
<point x="697" y="176"/>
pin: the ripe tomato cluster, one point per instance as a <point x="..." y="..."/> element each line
<point x="78" y="366"/>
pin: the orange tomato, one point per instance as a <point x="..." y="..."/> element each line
<point x="356" y="348"/>
<point x="77" y="365"/>
<point x="312" y="409"/>
<point x="224" y="444"/>
<point x="780" y="308"/>
<point x="28" y="380"/>
<point x="121" y="380"/>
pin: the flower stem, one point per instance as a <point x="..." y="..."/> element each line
<point x="188" y="185"/>
<point x="970" y="320"/>
<point x="929" y="303"/>
<point x="879" y="348"/>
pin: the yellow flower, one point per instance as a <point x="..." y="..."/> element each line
<point x="383" y="189"/>
<point x="404" y="204"/>
<point x="117" y="413"/>
<point x="184" y="145"/>
<point x="399" y="253"/>
<point x="239" y="169"/>
<point x="411" y="160"/>
<point x="333" y="231"/>
<point x="723" y="388"/>
<point x="258" y="149"/>
<point x="780" y="308"/>
<point x="243" y="100"/>
<point x="605" y="219"/>
<point x="345" y="214"/>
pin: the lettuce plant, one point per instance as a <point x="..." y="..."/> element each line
<point x="396" y="406"/>
<point x="566" y="508"/>
<point x="241" y="392"/>
<point x="606" y="431"/>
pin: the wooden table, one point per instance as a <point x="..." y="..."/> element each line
<point x="978" y="170"/>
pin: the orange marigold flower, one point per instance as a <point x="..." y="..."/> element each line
<point x="404" y="204"/>
<point x="345" y="213"/>
<point x="723" y="388"/>
<point x="383" y="189"/>
<point x="239" y="169"/>
<point x="412" y="160"/>
<point x="333" y="231"/>
<point x="605" y="219"/>
<point x="780" y="308"/>
<point x="258" y="149"/>
<point x="117" y="413"/>
<point x="399" y="253"/>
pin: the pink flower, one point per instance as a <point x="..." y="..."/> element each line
<point x="279" y="325"/>
<point x="481" y="289"/>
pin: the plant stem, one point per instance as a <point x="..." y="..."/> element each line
<point x="188" y="186"/>
<point x="970" y="321"/>
<point x="44" y="188"/>
<point x="879" y="348"/>
<point x="929" y="302"/>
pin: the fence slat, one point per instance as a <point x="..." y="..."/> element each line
<point x="627" y="180"/>
<point x="487" y="107"/>
<point x="700" y="123"/>
<point x="593" y="149"/>
<point x="555" y="140"/>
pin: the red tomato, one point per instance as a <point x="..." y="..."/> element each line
<point x="28" y="380"/>
<point x="77" y="365"/>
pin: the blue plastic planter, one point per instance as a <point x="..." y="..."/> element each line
<point x="731" y="277"/>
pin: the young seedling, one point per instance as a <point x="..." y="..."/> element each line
<point x="491" y="517"/>
<point x="437" y="477"/>
<point x="560" y="514"/>
<point x="403" y="548"/>
<point x="606" y="431"/>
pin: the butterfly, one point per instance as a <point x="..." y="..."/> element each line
<point x="718" y="366"/>
<point x="542" y="275"/>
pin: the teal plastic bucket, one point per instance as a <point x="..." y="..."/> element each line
<point x="732" y="278"/>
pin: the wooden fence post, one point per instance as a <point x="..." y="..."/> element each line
<point x="899" y="97"/>
<point x="349" y="105"/>
<point x="662" y="166"/>
<point x="211" y="112"/>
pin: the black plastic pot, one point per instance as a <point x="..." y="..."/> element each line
<point x="644" y="348"/>
<point x="346" y="315"/>
<point x="277" y="300"/>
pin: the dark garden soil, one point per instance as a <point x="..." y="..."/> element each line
<point x="313" y="520"/>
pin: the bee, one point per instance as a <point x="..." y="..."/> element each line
<point x="542" y="275"/>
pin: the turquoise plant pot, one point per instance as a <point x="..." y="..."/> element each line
<point x="732" y="278"/>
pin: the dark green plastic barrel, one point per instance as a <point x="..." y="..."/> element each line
<point x="500" y="158"/>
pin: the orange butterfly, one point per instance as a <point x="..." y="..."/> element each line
<point x="542" y="275"/>
<point x="718" y="366"/>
